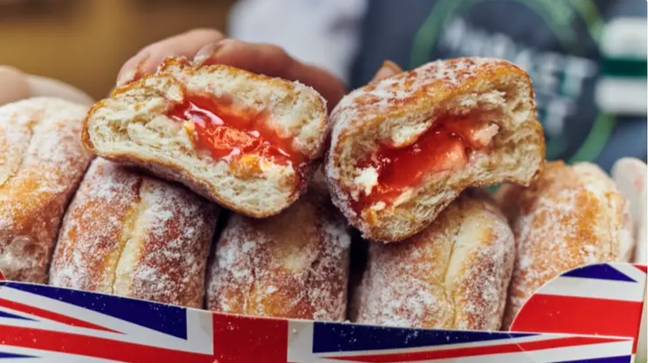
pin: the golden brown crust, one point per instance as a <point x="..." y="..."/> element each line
<point x="415" y="97"/>
<point x="129" y="234"/>
<point x="570" y="216"/>
<point x="41" y="163"/>
<point x="453" y="275"/>
<point x="293" y="265"/>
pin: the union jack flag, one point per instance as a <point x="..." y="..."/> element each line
<point x="334" y="342"/>
<point x="603" y="299"/>
<point x="47" y="324"/>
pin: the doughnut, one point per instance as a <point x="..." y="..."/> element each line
<point x="453" y="275"/>
<point x="132" y="235"/>
<point x="570" y="216"/>
<point x="243" y="140"/>
<point x="41" y="163"/>
<point x="403" y="147"/>
<point x="293" y="265"/>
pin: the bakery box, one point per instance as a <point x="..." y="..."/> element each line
<point x="590" y="314"/>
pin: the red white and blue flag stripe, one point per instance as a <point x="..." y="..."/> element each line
<point x="47" y="320"/>
<point x="46" y="324"/>
<point x="332" y="342"/>
<point x="603" y="299"/>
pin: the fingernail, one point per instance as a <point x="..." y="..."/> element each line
<point x="126" y="77"/>
<point x="133" y="73"/>
<point x="395" y="68"/>
<point x="205" y="53"/>
<point x="387" y="69"/>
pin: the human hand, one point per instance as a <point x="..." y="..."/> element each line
<point x="387" y="70"/>
<point x="204" y="46"/>
<point x="13" y="85"/>
<point x="16" y="85"/>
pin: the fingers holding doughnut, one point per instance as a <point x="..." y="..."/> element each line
<point x="274" y="61"/>
<point x="151" y="56"/>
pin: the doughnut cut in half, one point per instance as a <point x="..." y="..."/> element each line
<point x="243" y="140"/>
<point x="402" y="148"/>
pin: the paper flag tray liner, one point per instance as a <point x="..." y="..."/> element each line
<point x="591" y="314"/>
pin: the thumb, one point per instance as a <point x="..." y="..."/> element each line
<point x="13" y="85"/>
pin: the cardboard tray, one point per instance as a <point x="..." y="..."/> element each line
<point x="591" y="314"/>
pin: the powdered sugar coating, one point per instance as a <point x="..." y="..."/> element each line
<point x="292" y="265"/>
<point x="133" y="235"/>
<point x="41" y="163"/>
<point x="569" y="217"/>
<point x="384" y="96"/>
<point x="453" y="275"/>
<point x="89" y="241"/>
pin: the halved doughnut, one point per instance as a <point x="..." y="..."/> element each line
<point x="404" y="147"/>
<point x="243" y="140"/>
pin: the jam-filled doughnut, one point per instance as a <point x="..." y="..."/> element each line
<point x="453" y="275"/>
<point x="129" y="234"/>
<point x="243" y="140"/>
<point x="292" y="265"/>
<point x="570" y="216"/>
<point x="404" y="147"/>
<point x="41" y="163"/>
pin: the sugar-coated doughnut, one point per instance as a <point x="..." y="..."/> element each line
<point x="453" y="275"/>
<point x="292" y="265"/>
<point x="129" y="234"/>
<point x="41" y="163"/>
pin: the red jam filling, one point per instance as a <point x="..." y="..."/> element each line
<point x="228" y="132"/>
<point x="445" y="146"/>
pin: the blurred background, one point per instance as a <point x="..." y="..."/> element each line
<point x="587" y="58"/>
<point x="85" y="42"/>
